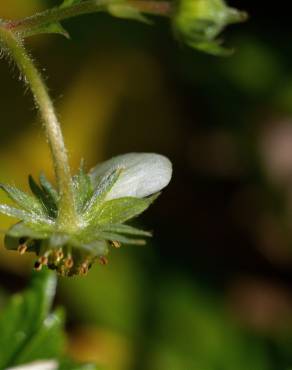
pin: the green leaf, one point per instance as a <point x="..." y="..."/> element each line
<point x="47" y="343"/>
<point x="30" y="335"/>
<point x="102" y="189"/>
<point x="24" y="317"/>
<point x="120" y="210"/>
<point x="55" y="28"/>
<point x="126" y="229"/>
<point x="69" y="365"/>
<point x="23" y="200"/>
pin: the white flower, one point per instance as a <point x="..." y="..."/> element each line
<point x="144" y="174"/>
<point x="38" y="365"/>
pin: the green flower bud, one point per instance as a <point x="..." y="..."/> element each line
<point x="199" y="22"/>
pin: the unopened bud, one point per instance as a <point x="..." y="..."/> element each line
<point x="199" y="22"/>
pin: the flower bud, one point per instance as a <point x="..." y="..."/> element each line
<point x="199" y="22"/>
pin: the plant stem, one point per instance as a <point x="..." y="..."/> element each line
<point x="14" y="48"/>
<point x="25" y="27"/>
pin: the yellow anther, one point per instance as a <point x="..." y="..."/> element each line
<point x="68" y="262"/>
<point x="116" y="244"/>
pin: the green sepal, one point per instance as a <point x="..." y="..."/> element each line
<point x="96" y="247"/>
<point x="103" y="187"/>
<point x="211" y="47"/>
<point x="58" y="239"/>
<point x="27" y="232"/>
<point x="120" y="238"/>
<point x="126" y="229"/>
<point x="49" y="190"/>
<point x="120" y="210"/>
<point x="83" y="189"/>
<point x="23" y="200"/>
<point x="24" y="215"/>
<point x="33" y="231"/>
<point x="45" y="194"/>
<point x="126" y="11"/>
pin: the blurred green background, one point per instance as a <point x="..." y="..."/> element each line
<point x="212" y="290"/>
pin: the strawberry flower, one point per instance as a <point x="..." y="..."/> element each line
<point x="111" y="194"/>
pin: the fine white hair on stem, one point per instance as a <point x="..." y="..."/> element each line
<point x="38" y="365"/>
<point x="144" y="174"/>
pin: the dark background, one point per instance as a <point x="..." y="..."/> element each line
<point x="212" y="290"/>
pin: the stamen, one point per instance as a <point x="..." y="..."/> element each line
<point x="43" y="260"/>
<point x="38" y="266"/>
<point x="115" y="244"/>
<point x="22" y="248"/>
<point x="103" y="260"/>
<point x="62" y="270"/>
<point x="83" y="269"/>
<point x="69" y="262"/>
<point x="58" y="255"/>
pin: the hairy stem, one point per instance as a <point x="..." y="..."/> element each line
<point x="14" y="48"/>
<point x="25" y="27"/>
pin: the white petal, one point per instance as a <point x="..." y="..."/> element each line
<point x="38" y="365"/>
<point x="143" y="175"/>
